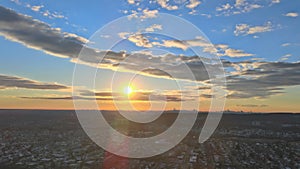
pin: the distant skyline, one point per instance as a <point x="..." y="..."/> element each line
<point x="257" y="41"/>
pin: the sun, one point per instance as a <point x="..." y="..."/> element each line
<point x="128" y="90"/>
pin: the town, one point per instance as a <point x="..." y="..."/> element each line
<point x="54" y="139"/>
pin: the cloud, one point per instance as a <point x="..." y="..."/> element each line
<point x="185" y="44"/>
<point x="131" y="1"/>
<point x="46" y="13"/>
<point x="250" y="78"/>
<point x="291" y="14"/>
<point x="16" y="2"/>
<point x="290" y="44"/>
<point x="144" y="14"/>
<point x="285" y="57"/>
<point x="224" y="7"/>
<point x="164" y="4"/>
<point x="285" y="44"/>
<point x="149" y="13"/>
<point x="193" y="4"/>
<point x="236" y="53"/>
<point x="140" y="40"/>
<point x="99" y="93"/>
<point x="256" y="79"/>
<point x="105" y="36"/>
<point x="206" y="15"/>
<point x="239" y="3"/>
<point x="113" y="96"/>
<point x="262" y="79"/>
<point x="153" y="27"/>
<point x="66" y="98"/>
<point x="38" y="35"/>
<point x="275" y="1"/>
<point x="54" y="15"/>
<point x="156" y="72"/>
<point x="7" y="82"/>
<point x="252" y="105"/>
<point x="244" y="29"/>
<point x="204" y="88"/>
<point x="124" y="35"/>
<point x="175" y="44"/>
<point x="243" y="6"/>
<point x="147" y="96"/>
<point x="157" y="65"/>
<point x="240" y="6"/>
<point x="37" y="8"/>
<point x="217" y="49"/>
<point x="54" y="98"/>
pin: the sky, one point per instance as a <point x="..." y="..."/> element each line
<point x="256" y="42"/>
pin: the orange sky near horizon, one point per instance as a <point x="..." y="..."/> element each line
<point x="279" y="103"/>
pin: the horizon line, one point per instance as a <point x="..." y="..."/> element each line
<point x="224" y="112"/>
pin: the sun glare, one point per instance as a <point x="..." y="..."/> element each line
<point x="128" y="90"/>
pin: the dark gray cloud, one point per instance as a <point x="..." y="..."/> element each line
<point x="266" y="79"/>
<point x="38" y="35"/>
<point x="204" y="88"/>
<point x="252" y="105"/>
<point x="109" y="96"/>
<point x="156" y="72"/>
<point x="18" y="82"/>
<point x="66" y="98"/>
<point x="99" y="94"/>
<point x="207" y="96"/>
<point x="151" y="96"/>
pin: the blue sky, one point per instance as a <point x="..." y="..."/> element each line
<point x="260" y="35"/>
